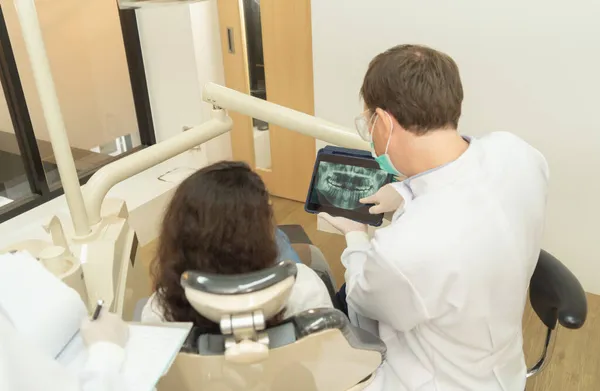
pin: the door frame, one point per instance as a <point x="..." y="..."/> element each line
<point x="287" y="51"/>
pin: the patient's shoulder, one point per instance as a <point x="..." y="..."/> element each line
<point x="153" y="311"/>
<point x="307" y="276"/>
<point x="309" y="292"/>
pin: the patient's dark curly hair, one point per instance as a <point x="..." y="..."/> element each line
<point x="219" y="221"/>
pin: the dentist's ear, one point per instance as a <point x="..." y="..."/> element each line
<point x="386" y="120"/>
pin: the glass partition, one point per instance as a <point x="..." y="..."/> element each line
<point x="95" y="58"/>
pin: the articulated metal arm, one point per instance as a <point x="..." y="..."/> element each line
<point x="111" y="174"/>
<point x="42" y="75"/>
<point x="221" y="97"/>
<point x="85" y="208"/>
<point x="101" y="257"/>
<point x="279" y="115"/>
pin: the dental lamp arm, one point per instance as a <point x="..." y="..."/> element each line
<point x="85" y="208"/>
<point x="105" y="178"/>
<point x="272" y="113"/>
<point x="40" y="66"/>
<point x="222" y="98"/>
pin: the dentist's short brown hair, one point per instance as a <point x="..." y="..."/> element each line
<point x="417" y="85"/>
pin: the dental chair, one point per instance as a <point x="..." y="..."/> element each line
<point x="314" y="350"/>
<point x="557" y="298"/>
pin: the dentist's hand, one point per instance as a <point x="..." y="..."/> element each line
<point x="108" y="327"/>
<point x="386" y="199"/>
<point x="343" y="224"/>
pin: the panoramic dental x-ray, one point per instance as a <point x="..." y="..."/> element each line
<point x="343" y="186"/>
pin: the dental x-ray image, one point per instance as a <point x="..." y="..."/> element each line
<point x="343" y="186"/>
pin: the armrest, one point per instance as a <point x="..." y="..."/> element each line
<point x="320" y="319"/>
<point x="556" y="295"/>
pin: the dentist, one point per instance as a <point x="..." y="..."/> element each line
<point x="447" y="279"/>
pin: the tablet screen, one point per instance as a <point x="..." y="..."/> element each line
<point x="338" y="184"/>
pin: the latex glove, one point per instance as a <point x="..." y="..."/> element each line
<point x="343" y="224"/>
<point x="386" y="199"/>
<point x="107" y="328"/>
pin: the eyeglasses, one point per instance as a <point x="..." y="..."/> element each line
<point x="364" y="125"/>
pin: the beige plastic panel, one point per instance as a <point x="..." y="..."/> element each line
<point x="270" y="301"/>
<point x="323" y="362"/>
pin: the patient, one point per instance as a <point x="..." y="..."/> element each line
<point x="220" y="221"/>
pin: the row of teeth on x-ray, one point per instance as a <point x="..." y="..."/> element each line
<point x="343" y="186"/>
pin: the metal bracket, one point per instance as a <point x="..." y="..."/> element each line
<point x="546" y="352"/>
<point x="240" y="327"/>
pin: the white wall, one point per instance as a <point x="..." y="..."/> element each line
<point x="209" y="65"/>
<point x="527" y="67"/>
<point x="182" y="52"/>
<point x="180" y="46"/>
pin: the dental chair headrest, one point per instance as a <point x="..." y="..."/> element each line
<point x="215" y="296"/>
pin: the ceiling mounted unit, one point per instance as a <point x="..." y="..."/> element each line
<point x="129" y="4"/>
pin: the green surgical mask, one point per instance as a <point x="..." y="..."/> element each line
<point x="385" y="163"/>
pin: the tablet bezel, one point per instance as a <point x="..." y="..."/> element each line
<point x="351" y="160"/>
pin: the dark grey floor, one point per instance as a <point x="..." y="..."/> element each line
<point x="13" y="180"/>
<point x="11" y="166"/>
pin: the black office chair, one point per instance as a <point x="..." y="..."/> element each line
<point x="557" y="297"/>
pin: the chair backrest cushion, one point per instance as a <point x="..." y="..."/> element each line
<point x="216" y="296"/>
<point x="556" y="295"/>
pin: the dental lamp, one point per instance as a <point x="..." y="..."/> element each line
<point x="97" y="258"/>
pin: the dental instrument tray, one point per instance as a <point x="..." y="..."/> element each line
<point x="342" y="177"/>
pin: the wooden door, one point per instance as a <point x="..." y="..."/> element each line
<point x="287" y="51"/>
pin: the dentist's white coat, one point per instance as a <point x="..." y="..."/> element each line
<point x="447" y="280"/>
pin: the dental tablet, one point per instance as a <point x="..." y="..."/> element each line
<point x="342" y="177"/>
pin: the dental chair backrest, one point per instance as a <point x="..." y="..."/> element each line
<point x="315" y="350"/>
